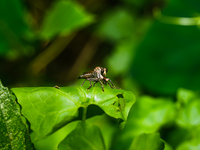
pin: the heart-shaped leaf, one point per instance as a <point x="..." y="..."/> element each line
<point x="48" y="108"/>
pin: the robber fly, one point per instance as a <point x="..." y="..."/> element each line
<point x="98" y="75"/>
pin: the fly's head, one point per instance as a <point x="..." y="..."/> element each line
<point x="104" y="71"/>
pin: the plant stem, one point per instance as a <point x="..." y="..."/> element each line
<point x="84" y="114"/>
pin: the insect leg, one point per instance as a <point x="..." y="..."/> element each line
<point x="83" y="82"/>
<point x="102" y="85"/>
<point x="113" y="84"/>
<point x="110" y="85"/>
<point x="95" y="83"/>
<point x="90" y="85"/>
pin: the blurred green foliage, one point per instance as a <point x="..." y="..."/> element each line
<point x="152" y="141"/>
<point x="168" y="59"/>
<point x="150" y="47"/>
<point x="83" y="134"/>
<point x="63" y="18"/>
<point x="15" y="33"/>
<point x="168" y="56"/>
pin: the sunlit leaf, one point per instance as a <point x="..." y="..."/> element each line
<point x="147" y="115"/>
<point x="189" y="109"/>
<point x="51" y="142"/>
<point x="150" y="141"/>
<point x="184" y="96"/>
<point x="85" y="136"/>
<point x="190" y="145"/>
<point x="13" y="129"/>
<point x="63" y="18"/>
<point x="48" y="108"/>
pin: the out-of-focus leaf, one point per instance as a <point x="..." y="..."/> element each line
<point x="117" y="24"/>
<point x="167" y="146"/>
<point x="13" y="30"/>
<point x="120" y="61"/>
<point x="85" y="136"/>
<point x="49" y="108"/>
<point x="184" y="96"/>
<point x="167" y="59"/>
<point x="190" y="145"/>
<point x="51" y="142"/>
<point x="189" y="109"/>
<point x="147" y="115"/>
<point x="63" y="18"/>
<point x="189" y="115"/>
<point x="107" y="126"/>
<point x="13" y="130"/>
<point x="188" y="118"/>
<point x="150" y="141"/>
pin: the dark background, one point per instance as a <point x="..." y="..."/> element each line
<point x="144" y="44"/>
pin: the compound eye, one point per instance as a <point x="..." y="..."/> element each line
<point x="106" y="69"/>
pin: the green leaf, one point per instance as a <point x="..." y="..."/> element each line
<point x="189" y="109"/>
<point x="14" y="31"/>
<point x="13" y="130"/>
<point x="119" y="62"/>
<point x="117" y="24"/>
<point x="147" y="115"/>
<point x="184" y="96"/>
<point x="63" y="18"/>
<point x="167" y="146"/>
<point x="48" y="108"/>
<point x="147" y="142"/>
<point x="107" y="126"/>
<point x="85" y="136"/>
<point x="190" y="145"/>
<point x="51" y="142"/>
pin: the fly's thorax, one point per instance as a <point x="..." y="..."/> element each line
<point x="97" y="72"/>
<point x="100" y="72"/>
